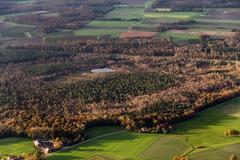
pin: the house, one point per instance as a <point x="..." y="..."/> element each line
<point x="14" y="158"/>
<point x="45" y="146"/>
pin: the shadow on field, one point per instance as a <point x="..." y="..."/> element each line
<point x="96" y="145"/>
<point x="202" y="121"/>
<point x="13" y="140"/>
<point x="62" y="157"/>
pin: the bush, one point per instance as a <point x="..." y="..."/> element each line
<point x="232" y="133"/>
<point x="233" y="157"/>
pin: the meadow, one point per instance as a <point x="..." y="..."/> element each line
<point x="112" y="24"/>
<point x="14" y="30"/>
<point x="98" y="32"/>
<point x="16" y="146"/>
<point x="125" y="13"/>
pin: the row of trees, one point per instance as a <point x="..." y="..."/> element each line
<point x="196" y="6"/>
<point x="137" y="46"/>
<point x="180" y="25"/>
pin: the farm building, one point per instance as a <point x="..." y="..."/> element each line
<point x="14" y="158"/>
<point x="45" y="146"/>
<point x="48" y="146"/>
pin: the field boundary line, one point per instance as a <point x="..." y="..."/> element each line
<point x="211" y="147"/>
<point x="145" y="148"/>
<point x="86" y="141"/>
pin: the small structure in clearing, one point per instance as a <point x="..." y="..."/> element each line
<point x="48" y="146"/>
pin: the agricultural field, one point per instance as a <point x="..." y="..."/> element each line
<point x="212" y="22"/>
<point x="134" y="2"/>
<point x="172" y="15"/>
<point x="15" y="30"/>
<point x="111" y="24"/>
<point x="125" y="13"/>
<point x="98" y="32"/>
<point x="134" y="16"/>
<point x="16" y="146"/>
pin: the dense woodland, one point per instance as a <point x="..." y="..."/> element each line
<point x="155" y="84"/>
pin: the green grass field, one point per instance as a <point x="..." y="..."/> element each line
<point x="207" y="129"/>
<point x="16" y="146"/>
<point x="16" y="31"/>
<point x="60" y="33"/>
<point x="125" y="12"/>
<point x="177" y="15"/>
<point x="221" y="153"/>
<point x="98" y="32"/>
<point x="120" y="146"/>
<point x="166" y="147"/>
<point x="168" y="17"/>
<point x="112" y="24"/>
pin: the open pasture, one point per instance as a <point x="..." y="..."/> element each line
<point x="60" y="33"/>
<point x="125" y="13"/>
<point x="207" y="129"/>
<point x="177" y="15"/>
<point x="168" y="17"/>
<point x="119" y="146"/>
<point x="166" y="147"/>
<point x="16" y="146"/>
<point x="132" y="34"/>
<point x="14" y="30"/>
<point x="98" y="32"/>
<point x="110" y="24"/>
<point x="133" y="2"/>
<point x="220" y="153"/>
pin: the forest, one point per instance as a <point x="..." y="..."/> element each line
<point x="174" y="85"/>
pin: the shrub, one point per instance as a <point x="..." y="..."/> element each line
<point x="233" y="157"/>
<point x="232" y="133"/>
